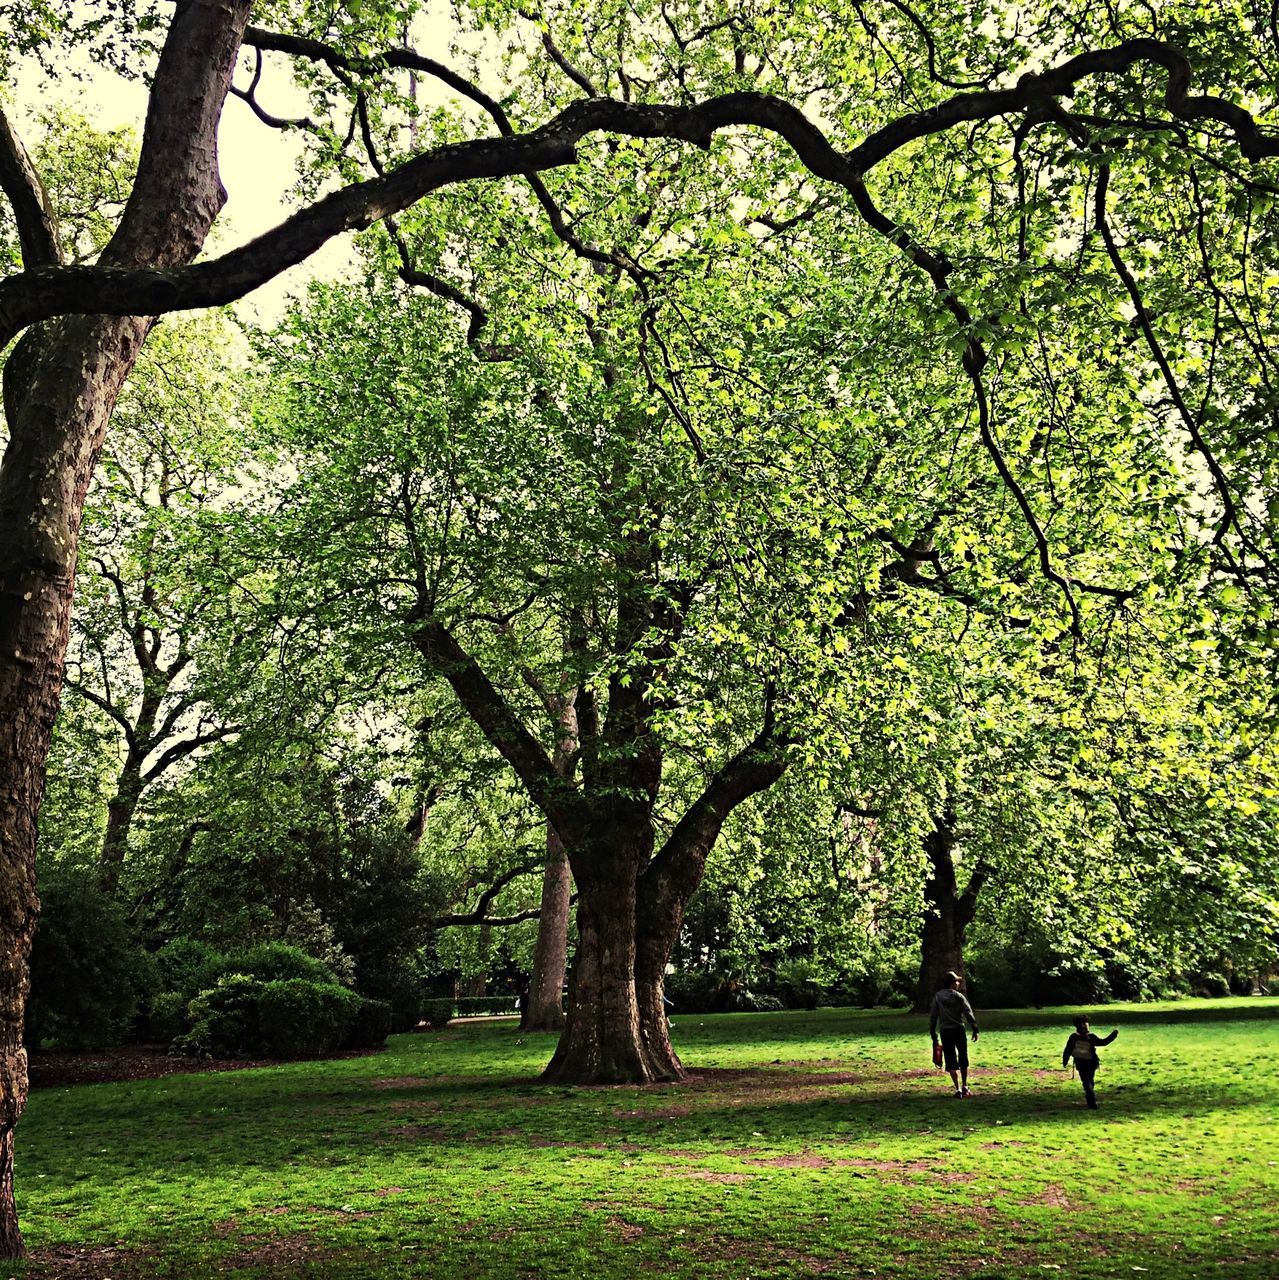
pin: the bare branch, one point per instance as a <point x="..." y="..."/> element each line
<point x="477" y="916"/>
<point x="249" y="95"/>
<point x="32" y="211"/>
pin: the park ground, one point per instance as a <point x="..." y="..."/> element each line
<point x="806" y="1144"/>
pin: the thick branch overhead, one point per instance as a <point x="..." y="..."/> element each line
<point x="49" y="291"/>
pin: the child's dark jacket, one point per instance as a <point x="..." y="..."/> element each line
<point x="1082" y="1046"/>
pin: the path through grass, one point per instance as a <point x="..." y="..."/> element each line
<point x="815" y="1144"/>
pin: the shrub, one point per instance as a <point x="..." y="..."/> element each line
<point x="298" y="1018"/>
<point x="278" y="962"/>
<point x="696" y="992"/>
<point x="167" y="1017"/>
<point x="755" y="1002"/>
<point x="402" y="990"/>
<point x="437" y="1013"/>
<point x="471" y="1006"/>
<point x="795" y="983"/>
<point x="223" y="1020"/>
<point x="371" y="1025"/>
<point x="88" y="972"/>
<point x="183" y="965"/>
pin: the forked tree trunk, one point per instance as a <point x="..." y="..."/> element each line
<point x="601" y="1042"/>
<point x="653" y="952"/>
<point x="673" y="876"/>
<point x="947" y="913"/>
<point x="543" y="1010"/>
<point x="61" y="386"/>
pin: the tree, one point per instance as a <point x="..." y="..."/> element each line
<point x="161" y="644"/>
<point x="62" y="378"/>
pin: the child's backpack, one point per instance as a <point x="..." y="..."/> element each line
<point x="1082" y="1049"/>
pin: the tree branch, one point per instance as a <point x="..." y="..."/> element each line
<point x="32" y="211"/>
<point x="554" y="795"/>
<point x="39" y="294"/>
<point x="477" y="916"/>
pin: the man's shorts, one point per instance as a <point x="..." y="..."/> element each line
<point x="954" y="1047"/>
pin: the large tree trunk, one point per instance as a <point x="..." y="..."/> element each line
<point x="653" y="949"/>
<point x="543" y="1010"/>
<point x="947" y="913"/>
<point x="62" y="410"/>
<point x="60" y="389"/>
<point x="601" y="1042"/>
<point x="673" y="876"/>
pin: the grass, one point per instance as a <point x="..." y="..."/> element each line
<point x="809" y="1145"/>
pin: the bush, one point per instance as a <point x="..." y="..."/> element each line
<point x="278" y="962"/>
<point x="167" y="1017"/>
<point x="371" y="1025"/>
<point x="183" y="965"/>
<point x="437" y="1013"/>
<point x="223" y="1020"/>
<point x="756" y="1002"/>
<point x="298" y="1018"/>
<point x="697" y="992"/>
<point x="402" y="990"/>
<point x="89" y="973"/>
<point x="471" y="1006"/>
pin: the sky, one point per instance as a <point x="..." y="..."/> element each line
<point x="258" y="164"/>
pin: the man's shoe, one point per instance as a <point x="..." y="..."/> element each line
<point x="967" y="1093"/>
<point x="957" y="1094"/>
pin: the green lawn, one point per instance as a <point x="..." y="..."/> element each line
<point x="809" y="1144"/>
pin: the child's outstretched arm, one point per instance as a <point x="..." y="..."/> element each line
<point x="1110" y="1037"/>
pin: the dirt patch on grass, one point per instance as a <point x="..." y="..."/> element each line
<point x="706" y="1175"/>
<point x="626" y="1232"/>
<point x="57" y="1070"/>
<point x="424" y="1133"/>
<point x="769" y="1080"/>
<point x="1052" y="1194"/>
<point x="713" y="1249"/>
<point x="63" y="1262"/>
<point x="144" y="1062"/>
<point x="805" y="1161"/>
<point x="401" y="1082"/>
<point x="278" y="1253"/>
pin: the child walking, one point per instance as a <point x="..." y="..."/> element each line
<point x="1082" y="1046"/>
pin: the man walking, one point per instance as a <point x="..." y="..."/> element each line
<point x="949" y="1013"/>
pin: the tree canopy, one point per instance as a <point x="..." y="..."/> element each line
<point x="873" y="388"/>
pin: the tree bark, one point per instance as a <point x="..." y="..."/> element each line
<point x="59" y="396"/>
<point x="947" y="913"/>
<point x="673" y="876"/>
<point x="543" y="1010"/>
<point x="120" y="810"/>
<point x="602" y="1042"/>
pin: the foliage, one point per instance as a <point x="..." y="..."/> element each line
<point x="372" y="1023"/>
<point x="223" y="1020"/>
<point x="284" y="1017"/>
<point x="89" y="973"/>
<point x="272" y="962"/>
<point x="813" y="1142"/>
<point x="469" y="1006"/>
<point x="303" y="1018"/>
<point x="402" y="991"/>
<point x="437" y="1013"/>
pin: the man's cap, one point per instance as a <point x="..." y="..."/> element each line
<point x="952" y="976"/>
